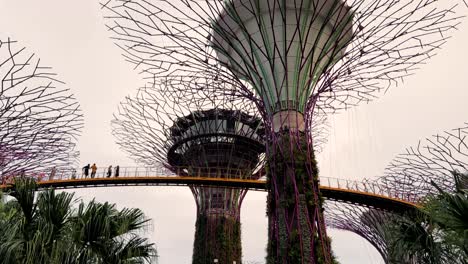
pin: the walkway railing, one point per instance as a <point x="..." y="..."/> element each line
<point x="220" y="173"/>
<point x="367" y="187"/>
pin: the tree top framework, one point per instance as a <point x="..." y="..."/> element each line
<point x="411" y="173"/>
<point x="366" y="222"/>
<point x="146" y="125"/>
<point x="431" y="160"/>
<point x="385" y="41"/>
<point x="40" y="119"/>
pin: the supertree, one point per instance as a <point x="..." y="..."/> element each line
<point x="289" y="58"/>
<point x="417" y="173"/>
<point x="39" y="117"/>
<point x="433" y="162"/>
<point x="203" y="135"/>
<point x="368" y="223"/>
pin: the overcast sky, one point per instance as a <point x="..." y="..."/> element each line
<point x="71" y="37"/>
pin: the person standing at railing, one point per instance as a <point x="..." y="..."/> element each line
<point x="86" y="170"/>
<point x="93" y="170"/>
<point x="52" y="173"/>
<point x="117" y="171"/>
<point x="109" y="171"/>
<point x="73" y="174"/>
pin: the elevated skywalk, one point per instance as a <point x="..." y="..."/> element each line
<point x="353" y="192"/>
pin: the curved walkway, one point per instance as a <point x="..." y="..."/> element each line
<point x="354" y="192"/>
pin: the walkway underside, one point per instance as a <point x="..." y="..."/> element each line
<point x="352" y="196"/>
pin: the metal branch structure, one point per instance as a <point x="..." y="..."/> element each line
<point x="39" y="117"/>
<point x="411" y="174"/>
<point x="290" y="58"/>
<point x="343" y="51"/>
<point x="434" y="159"/>
<point x="366" y="222"/>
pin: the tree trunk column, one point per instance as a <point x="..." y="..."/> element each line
<point x="296" y="228"/>
<point x="217" y="236"/>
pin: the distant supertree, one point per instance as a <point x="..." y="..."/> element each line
<point x="435" y="160"/>
<point x="39" y="117"/>
<point x="198" y="135"/>
<point x="288" y="57"/>
<point x="367" y="223"/>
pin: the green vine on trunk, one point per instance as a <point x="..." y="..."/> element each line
<point x="290" y="154"/>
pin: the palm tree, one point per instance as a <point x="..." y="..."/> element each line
<point x="450" y="212"/>
<point x="414" y="239"/>
<point x="111" y="236"/>
<point x="438" y="233"/>
<point x="49" y="230"/>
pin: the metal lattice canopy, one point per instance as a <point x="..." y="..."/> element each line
<point x="216" y="138"/>
<point x="284" y="55"/>
<point x="367" y="223"/>
<point x="39" y="117"/>
<point x="434" y="159"/>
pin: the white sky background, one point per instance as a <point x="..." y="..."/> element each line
<point x="71" y="37"/>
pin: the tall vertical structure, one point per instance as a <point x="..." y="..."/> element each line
<point x="281" y="48"/>
<point x="198" y="138"/>
<point x="39" y="117"/>
<point x="290" y="58"/>
<point x="217" y="143"/>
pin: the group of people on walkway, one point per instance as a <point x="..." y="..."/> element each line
<point x="93" y="169"/>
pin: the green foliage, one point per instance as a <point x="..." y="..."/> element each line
<point x="438" y="233"/>
<point x="49" y="230"/>
<point x="296" y="183"/>
<point x="319" y="253"/>
<point x="294" y="249"/>
<point x="412" y="239"/>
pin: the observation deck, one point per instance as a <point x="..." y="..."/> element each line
<point x="354" y="192"/>
<point x="216" y="138"/>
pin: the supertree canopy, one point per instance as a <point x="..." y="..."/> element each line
<point x="39" y="117"/>
<point x="281" y="48"/>
<point x="289" y="57"/>
<point x="287" y="54"/>
<point x="432" y="162"/>
<point x="368" y="223"/>
<point x="421" y="172"/>
<point x="195" y="147"/>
